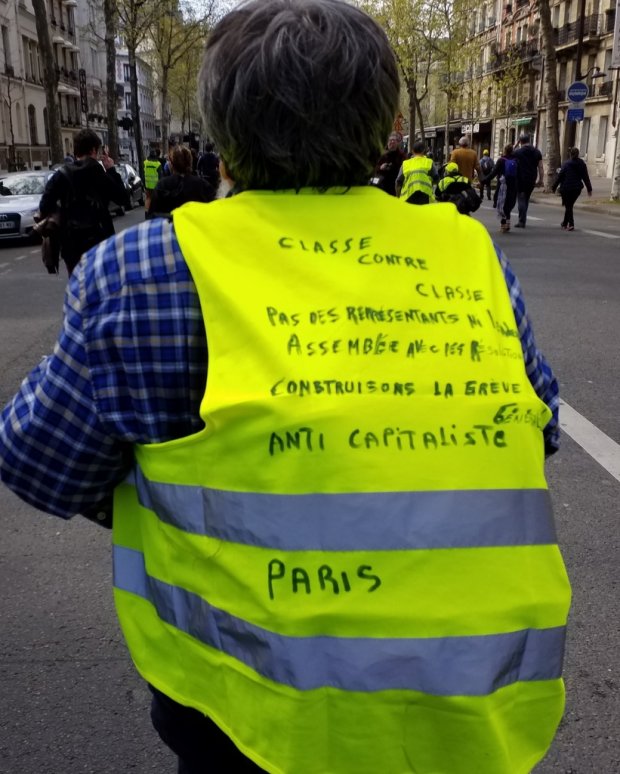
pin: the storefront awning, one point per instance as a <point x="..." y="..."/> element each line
<point x="522" y="121"/>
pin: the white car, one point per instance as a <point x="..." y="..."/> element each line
<point x="20" y="194"/>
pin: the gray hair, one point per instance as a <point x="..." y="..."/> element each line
<point x="464" y="142"/>
<point x="298" y="93"/>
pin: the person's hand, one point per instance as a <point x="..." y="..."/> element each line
<point x="107" y="161"/>
<point x="589" y="193"/>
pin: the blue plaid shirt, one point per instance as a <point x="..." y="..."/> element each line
<point x="130" y="367"/>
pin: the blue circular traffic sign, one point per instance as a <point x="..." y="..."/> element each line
<point x="577" y="91"/>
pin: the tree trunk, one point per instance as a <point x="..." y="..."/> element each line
<point x="551" y="95"/>
<point x="412" y="114"/>
<point x="418" y="105"/>
<point x="109" y="12"/>
<point x="164" y="110"/>
<point x="50" y="81"/>
<point x="135" y="108"/>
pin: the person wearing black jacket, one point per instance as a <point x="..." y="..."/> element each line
<point x="180" y="187"/>
<point x="573" y="175"/>
<point x="81" y="194"/>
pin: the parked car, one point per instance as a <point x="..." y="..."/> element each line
<point x="133" y="185"/>
<point x="20" y="194"/>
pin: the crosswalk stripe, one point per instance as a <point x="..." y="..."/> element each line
<point x="20" y="257"/>
<point x="592" y="440"/>
<point x="601" y="234"/>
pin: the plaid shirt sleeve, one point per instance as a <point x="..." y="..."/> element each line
<point x="538" y="370"/>
<point x="130" y="367"/>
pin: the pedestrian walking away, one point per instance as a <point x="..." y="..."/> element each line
<point x="530" y="173"/>
<point x="467" y="160"/>
<point x="417" y="176"/>
<point x="209" y="166"/>
<point x="455" y="188"/>
<point x="505" y="170"/>
<point x="180" y="187"/>
<point x="571" y="180"/>
<point x="80" y="194"/>
<point x="153" y="171"/>
<point x="389" y="165"/>
<point x="486" y="166"/>
<point x="343" y="563"/>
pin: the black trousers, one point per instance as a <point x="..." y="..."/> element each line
<point x="569" y="198"/>
<point x="199" y="744"/>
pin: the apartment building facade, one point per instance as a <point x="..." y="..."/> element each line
<point x="501" y="90"/>
<point x="79" y="54"/>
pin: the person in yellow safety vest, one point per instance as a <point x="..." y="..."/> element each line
<point x="417" y="175"/>
<point x="337" y="553"/>
<point x="152" y="173"/>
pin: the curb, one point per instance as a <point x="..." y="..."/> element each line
<point x="601" y="206"/>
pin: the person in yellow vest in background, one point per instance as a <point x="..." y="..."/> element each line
<point x="417" y="176"/>
<point x="334" y="551"/>
<point x="152" y="172"/>
<point x="454" y="187"/>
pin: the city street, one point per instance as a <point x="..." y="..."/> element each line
<point x="71" y="701"/>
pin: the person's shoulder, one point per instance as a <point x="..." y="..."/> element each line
<point x="139" y="257"/>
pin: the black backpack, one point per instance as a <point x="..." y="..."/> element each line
<point x="84" y="216"/>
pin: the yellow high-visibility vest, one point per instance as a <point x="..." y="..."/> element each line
<point x="353" y="568"/>
<point x="151" y="173"/>
<point x="417" y="177"/>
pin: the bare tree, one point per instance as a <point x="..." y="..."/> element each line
<point x="406" y="24"/>
<point x="135" y="18"/>
<point x="551" y="94"/>
<point x="176" y="31"/>
<point x="50" y="80"/>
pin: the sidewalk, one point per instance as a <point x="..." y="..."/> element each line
<point x="599" y="201"/>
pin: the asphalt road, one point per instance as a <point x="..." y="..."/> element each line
<point x="70" y="701"/>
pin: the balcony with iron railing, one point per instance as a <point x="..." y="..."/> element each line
<point x="605" y="89"/>
<point x="568" y="34"/>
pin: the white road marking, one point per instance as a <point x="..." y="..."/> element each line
<point x="34" y="252"/>
<point x="601" y="234"/>
<point x="592" y="440"/>
<point x="531" y="217"/>
<point x="20" y="257"/>
<point x="2" y="265"/>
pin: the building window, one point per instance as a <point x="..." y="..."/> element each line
<point x="6" y="48"/>
<point x="126" y="72"/>
<point x="585" y="137"/>
<point x="128" y="101"/>
<point x="32" y="124"/>
<point x="602" y="136"/>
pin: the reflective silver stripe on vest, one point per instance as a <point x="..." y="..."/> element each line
<point x="373" y="521"/>
<point x="444" y="666"/>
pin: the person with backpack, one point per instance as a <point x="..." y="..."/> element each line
<point x="530" y="173"/>
<point x="506" y="170"/>
<point x="180" y="186"/>
<point x="454" y="187"/>
<point x="486" y="165"/>
<point x="81" y="193"/>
